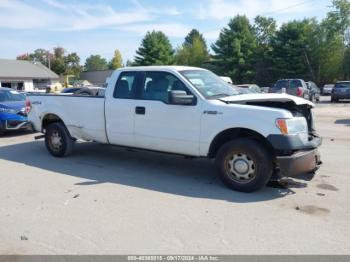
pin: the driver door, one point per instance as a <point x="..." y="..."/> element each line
<point x="160" y="125"/>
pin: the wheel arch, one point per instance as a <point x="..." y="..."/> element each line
<point x="50" y="118"/>
<point x="233" y="133"/>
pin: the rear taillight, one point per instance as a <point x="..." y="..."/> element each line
<point x="299" y="91"/>
<point x="28" y="106"/>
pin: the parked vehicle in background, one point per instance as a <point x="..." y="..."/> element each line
<point x="265" y="89"/>
<point x="252" y="87"/>
<point x="187" y="111"/>
<point x="327" y="89"/>
<point x="242" y="90"/>
<point x="227" y="79"/>
<point x="340" y="91"/>
<point x="295" y="87"/>
<point x="314" y="91"/>
<point x="84" y="91"/>
<point x="13" y="111"/>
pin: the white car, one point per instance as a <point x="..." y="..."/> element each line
<point x="327" y="89"/>
<point x="191" y="112"/>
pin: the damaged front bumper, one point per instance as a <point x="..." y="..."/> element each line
<point x="299" y="163"/>
<point x="294" y="157"/>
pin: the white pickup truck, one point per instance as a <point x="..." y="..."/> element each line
<point x="187" y="111"/>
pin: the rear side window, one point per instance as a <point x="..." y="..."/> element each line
<point x="125" y="86"/>
<point x="281" y="84"/>
<point x="295" y="83"/>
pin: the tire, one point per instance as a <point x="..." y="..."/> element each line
<point x="333" y="100"/>
<point x="58" y="140"/>
<point x="253" y="174"/>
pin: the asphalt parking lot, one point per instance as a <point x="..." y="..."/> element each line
<point x="106" y="200"/>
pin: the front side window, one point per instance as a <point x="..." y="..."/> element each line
<point x="158" y="84"/>
<point x="208" y="84"/>
<point x="126" y="85"/>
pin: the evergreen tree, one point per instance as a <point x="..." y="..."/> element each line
<point x="234" y="50"/>
<point x="264" y="30"/>
<point x="155" y="49"/>
<point x="193" y="51"/>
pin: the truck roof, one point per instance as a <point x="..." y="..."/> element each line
<point x="151" y="68"/>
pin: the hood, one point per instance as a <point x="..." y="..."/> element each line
<point x="266" y="98"/>
<point x="17" y="105"/>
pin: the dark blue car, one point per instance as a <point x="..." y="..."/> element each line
<point x="13" y="115"/>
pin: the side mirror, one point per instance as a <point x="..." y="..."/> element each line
<point x="178" y="97"/>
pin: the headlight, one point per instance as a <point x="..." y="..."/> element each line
<point x="8" y="110"/>
<point x="293" y="126"/>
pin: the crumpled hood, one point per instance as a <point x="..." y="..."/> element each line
<point x="266" y="97"/>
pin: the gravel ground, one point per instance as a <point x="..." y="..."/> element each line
<point x="106" y="200"/>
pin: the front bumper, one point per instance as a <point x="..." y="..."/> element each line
<point x="299" y="163"/>
<point x="295" y="157"/>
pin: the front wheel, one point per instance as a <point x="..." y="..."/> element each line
<point x="58" y="140"/>
<point x="244" y="165"/>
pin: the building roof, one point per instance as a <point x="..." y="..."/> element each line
<point x="19" y="69"/>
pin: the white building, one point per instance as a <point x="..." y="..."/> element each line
<point x="26" y="76"/>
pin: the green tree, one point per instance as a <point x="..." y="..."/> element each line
<point x="117" y="60"/>
<point x="234" y="50"/>
<point x="264" y="30"/>
<point x="195" y="34"/>
<point x="346" y="63"/>
<point x="193" y="51"/>
<point x="58" y="60"/>
<point x="95" y="62"/>
<point x="155" y="49"/>
<point x="291" y="51"/>
<point x="72" y="64"/>
<point x="39" y="55"/>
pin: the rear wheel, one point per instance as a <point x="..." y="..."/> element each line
<point x="58" y="140"/>
<point x="244" y="165"/>
<point x="334" y="100"/>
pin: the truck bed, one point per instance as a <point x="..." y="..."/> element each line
<point x="83" y="115"/>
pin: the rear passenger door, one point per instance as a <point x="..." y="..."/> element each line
<point x="120" y="110"/>
<point x="160" y="125"/>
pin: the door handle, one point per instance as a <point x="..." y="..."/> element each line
<point x="140" y="110"/>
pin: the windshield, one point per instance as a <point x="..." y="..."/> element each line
<point x="342" y="85"/>
<point x="8" y="96"/>
<point x="209" y="84"/>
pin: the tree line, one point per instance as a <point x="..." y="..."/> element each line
<point x="258" y="52"/>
